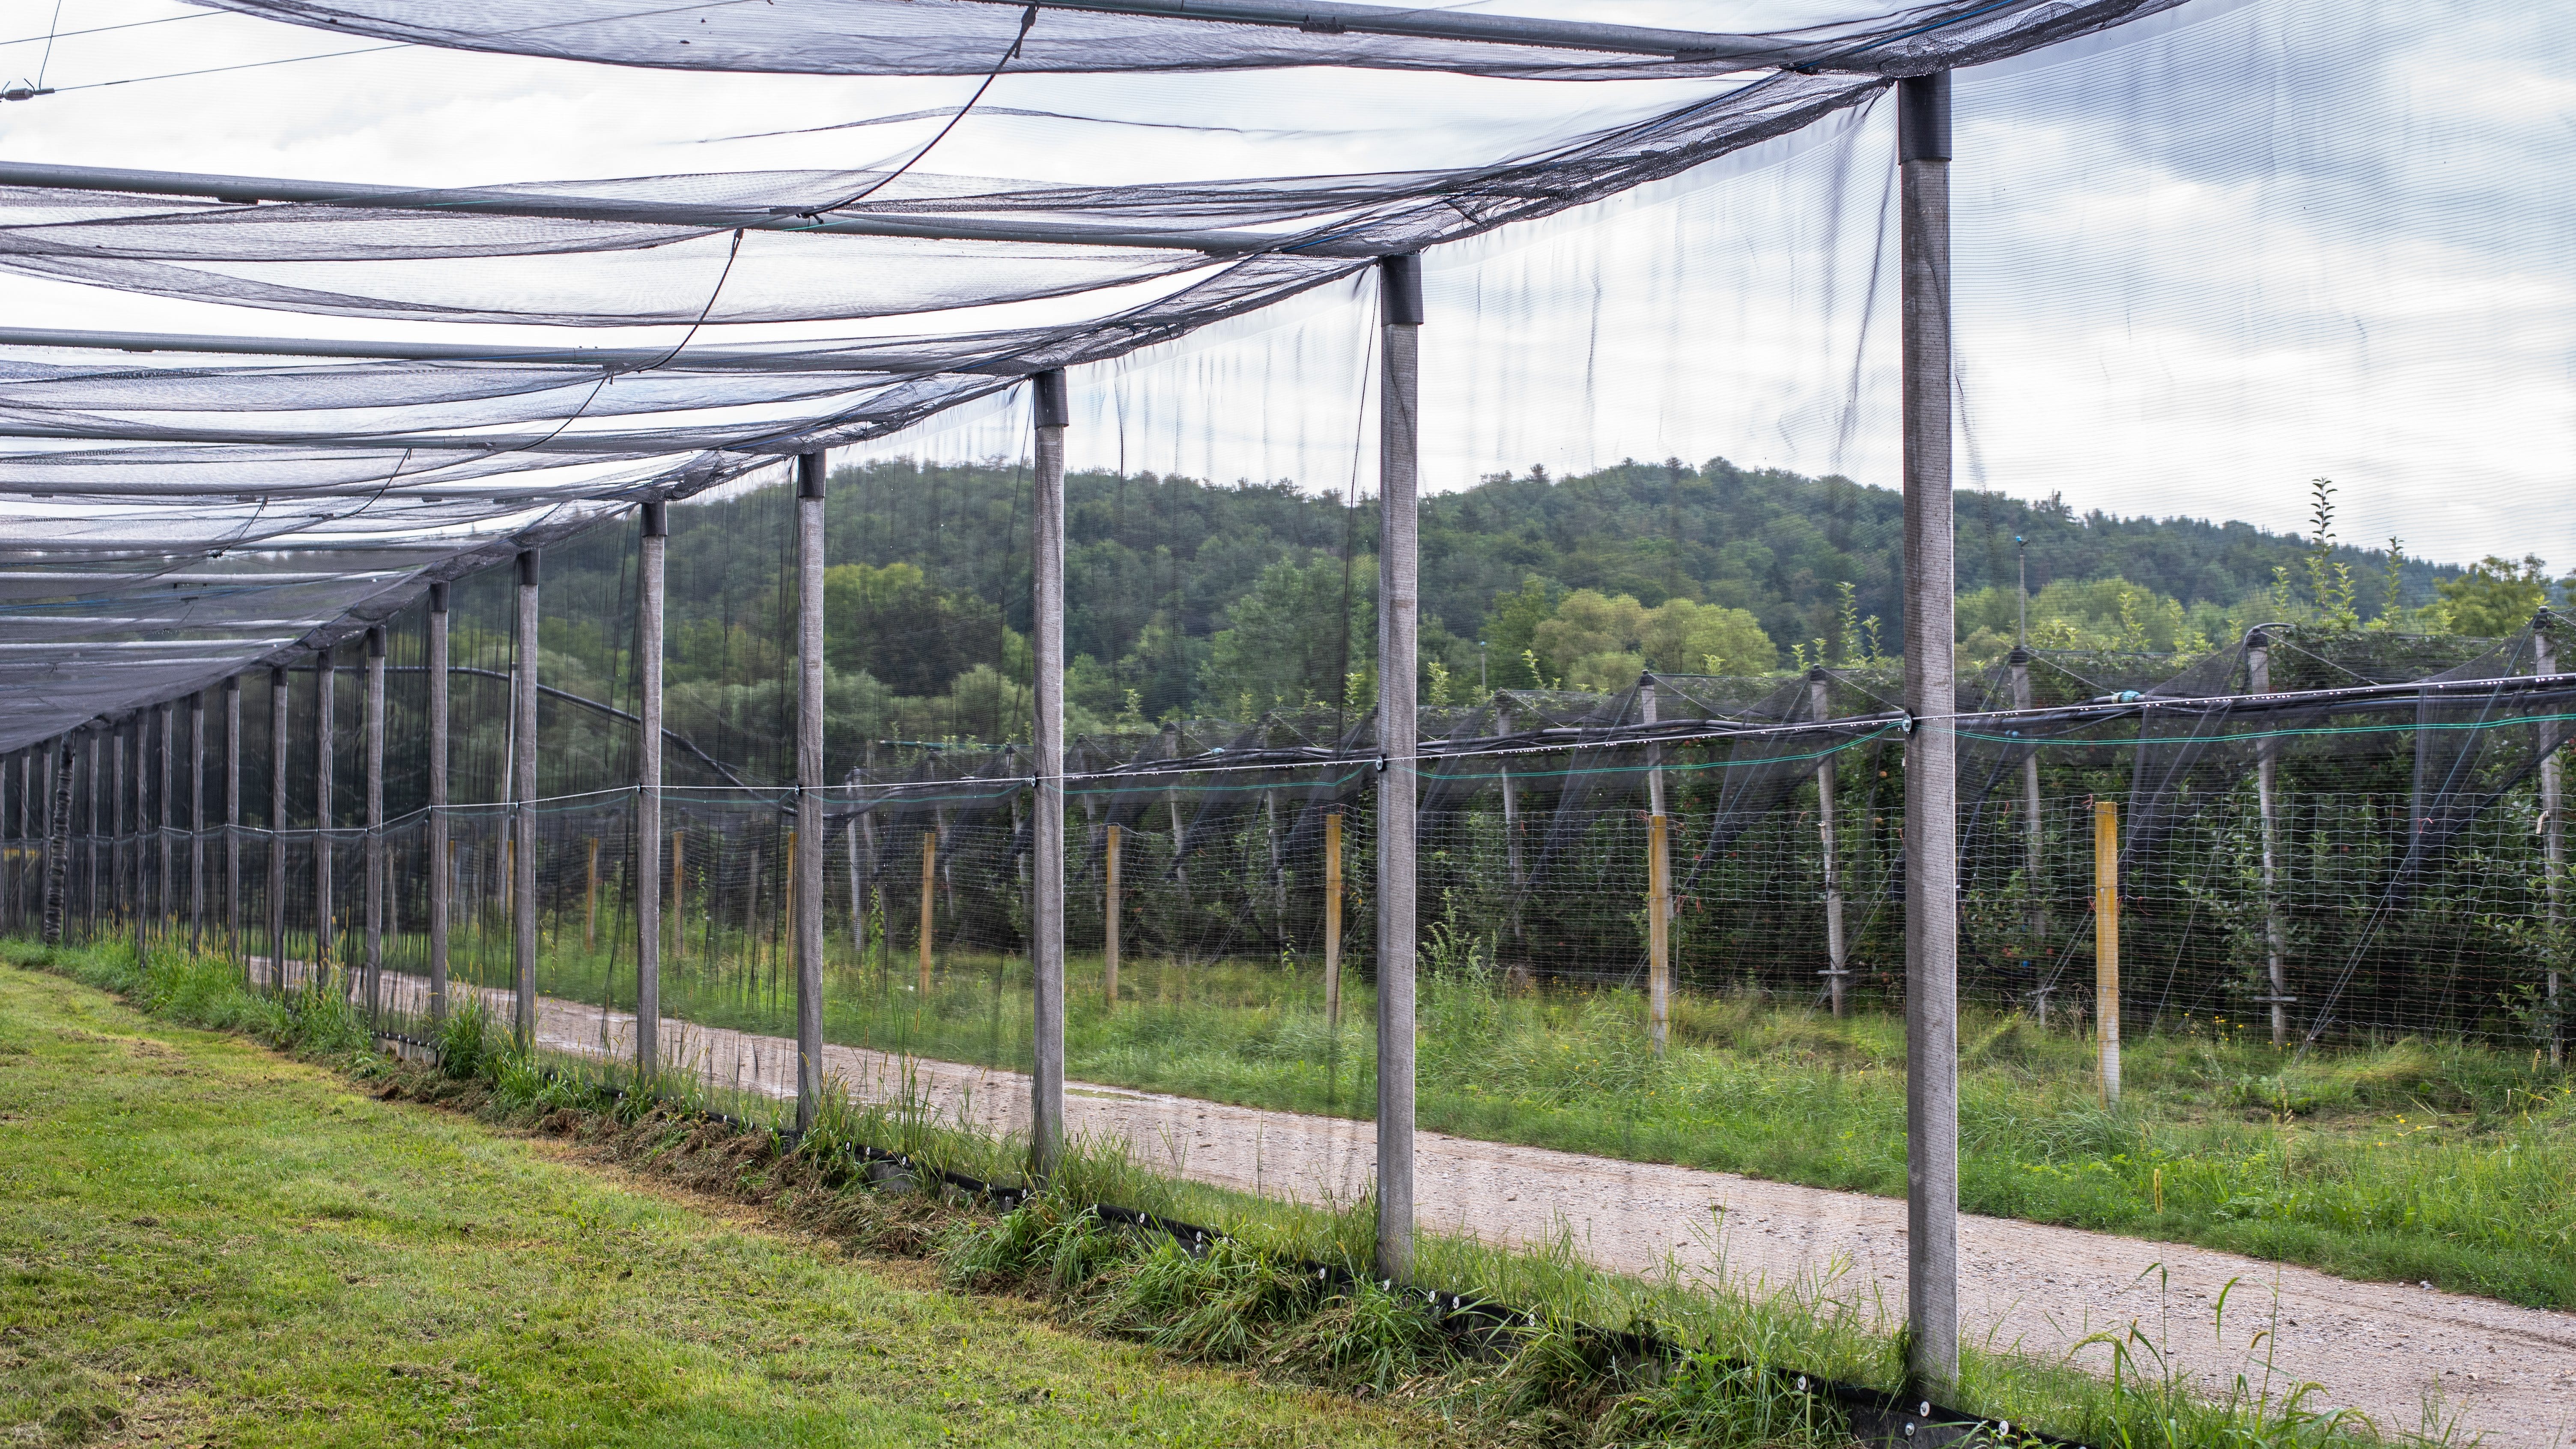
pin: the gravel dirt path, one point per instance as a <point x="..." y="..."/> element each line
<point x="2394" y="1351"/>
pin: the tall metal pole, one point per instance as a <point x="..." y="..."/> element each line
<point x="2553" y="831"/>
<point x="808" y="892"/>
<point x="1399" y="564"/>
<point x="1052" y="414"/>
<point x="326" y="699"/>
<point x="651" y="549"/>
<point x="1931" y="753"/>
<point x="232" y="818"/>
<point x="1837" y="972"/>
<point x="523" y="829"/>
<point x="197" y="820"/>
<point x="2267" y="760"/>
<point x="277" y="728"/>
<point x="374" y="725"/>
<point x="440" y="907"/>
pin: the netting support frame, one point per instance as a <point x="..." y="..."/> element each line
<point x="1052" y="413"/>
<point x="1399" y="588"/>
<point x="374" y="726"/>
<point x="277" y="740"/>
<point x="1931" y="825"/>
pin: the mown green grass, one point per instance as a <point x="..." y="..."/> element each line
<point x="2397" y="1160"/>
<point x="202" y="1241"/>
<point x="1556" y="1378"/>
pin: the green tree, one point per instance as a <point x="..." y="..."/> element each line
<point x="2496" y="597"/>
<point x="1602" y="642"/>
<point x="1293" y="637"/>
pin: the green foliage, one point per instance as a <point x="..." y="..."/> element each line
<point x="2330" y="581"/>
<point x="2494" y="598"/>
<point x="1292" y="638"/>
<point x="1602" y="643"/>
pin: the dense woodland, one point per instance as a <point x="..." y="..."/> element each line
<point x="1192" y="599"/>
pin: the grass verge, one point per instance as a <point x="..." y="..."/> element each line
<point x="1570" y="1374"/>
<point x="207" y="1243"/>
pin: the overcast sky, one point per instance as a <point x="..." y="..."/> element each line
<point x="2198" y="262"/>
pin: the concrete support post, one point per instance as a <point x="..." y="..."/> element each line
<point x="1053" y="414"/>
<point x="523" y="814"/>
<point x="119" y="898"/>
<point x="197" y="820"/>
<point x="807" y="888"/>
<point x="326" y="680"/>
<point x="373" y="726"/>
<point x="58" y="832"/>
<point x="94" y="903"/>
<point x="233" y="820"/>
<point x="1931" y="832"/>
<point x="167" y="896"/>
<point x="11" y="849"/>
<point x="441" y="874"/>
<point x="277" y="752"/>
<point x="1837" y="972"/>
<point x="652" y="550"/>
<point x="1398" y="623"/>
<point x="2553" y="831"/>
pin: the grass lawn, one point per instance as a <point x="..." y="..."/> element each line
<point x="2398" y="1160"/>
<point x="202" y="1242"/>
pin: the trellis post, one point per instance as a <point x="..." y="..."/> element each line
<point x="2553" y="831"/>
<point x="808" y="863"/>
<point x="523" y="813"/>
<point x="197" y="820"/>
<point x="1109" y="925"/>
<point x="168" y="893"/>
<point x="374" y="727"/>
<point x="1659" y="866"/>
<point x="2106" y="947"/>
<point x="58" y="831"/>
<point x="232" y="819"/>
<point x="1053" y="413"/>
<point x="441" y="871"/>
<point x="652" y="549"/>
<point x="1837" y="972"/>
<point x="2258" y="680"/>
<point x="2033" y="839"/>
<point x="277" y="751"/>
<point x="1931" y="755"/>
<point x="326" y="680"/>
<point x="1398" y="621"/>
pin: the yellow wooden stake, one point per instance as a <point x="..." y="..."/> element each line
<point x="1333" y="918"/>
<point x="929" y="884"/>
<point x="590" y="901"/>
<point x="1109" y="927"/>
<point x="1659" y="934"/>
<point x="2106" y="945"/>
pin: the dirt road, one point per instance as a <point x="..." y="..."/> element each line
<point x="2389" y="1350"/>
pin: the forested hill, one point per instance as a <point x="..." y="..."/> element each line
<point x="1202" y="598"/>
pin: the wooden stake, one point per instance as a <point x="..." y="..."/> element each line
<point x="1109" y="927"/>
<point x="590" y="901"/>
<point x="1333" y="919"/>
<point x="2106" y="945"/>
<point x="929" y="885"/>
<point x="679" y="865"/>
<point x="1659" y="934"/>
